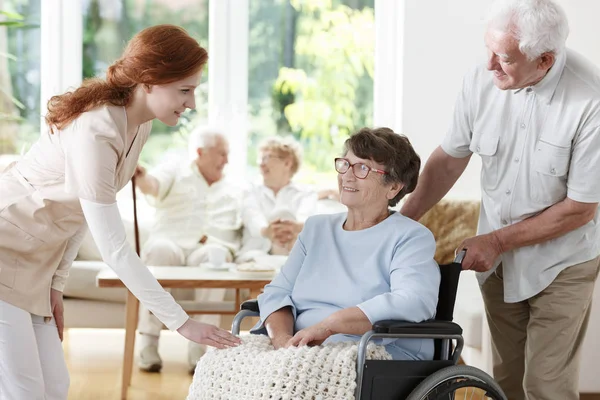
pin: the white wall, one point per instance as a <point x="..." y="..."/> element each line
<point x="442" y="39"/>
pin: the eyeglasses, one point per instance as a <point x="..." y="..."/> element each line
<point x="359" y="170"/>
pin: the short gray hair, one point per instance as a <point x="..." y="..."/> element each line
<point x="540" y="26"/>
<point x="204" y="137"/>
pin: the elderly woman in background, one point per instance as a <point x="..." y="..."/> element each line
<point x="274" y="211"/>
<point x="349" y="270"/>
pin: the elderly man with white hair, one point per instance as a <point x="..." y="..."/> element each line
<point x="198" y="220"/>
<point x="533" y="116"/>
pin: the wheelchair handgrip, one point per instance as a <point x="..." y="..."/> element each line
<point x="250" y="305"/>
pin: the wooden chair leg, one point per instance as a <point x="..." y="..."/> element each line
<point x="131" y="320"/>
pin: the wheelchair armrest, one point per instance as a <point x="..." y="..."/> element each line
<point x="250" y="305"/>
<point x="425" y="327"/>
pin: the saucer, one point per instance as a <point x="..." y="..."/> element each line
<point x="222" y="267"/>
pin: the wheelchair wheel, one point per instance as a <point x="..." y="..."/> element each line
<point x="458" y="382"/>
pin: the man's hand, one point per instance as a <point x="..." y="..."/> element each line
<point x="140" y="172"/>
<point x="311" y="336"/>
<point x="280" y="341"/>
<point x="145" y="182"/>
<point x="482" y="252"/>
<point x="58" y="311"/>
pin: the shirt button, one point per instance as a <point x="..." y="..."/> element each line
<point x="504" y="222"/>
<point x="523" y="126"/>
<point x="528" y="90"/>
<point x="478" y="148"/>
<point x="553" y="171"/>
<point x="517" y="159"/>
<point x="507" y="191"/>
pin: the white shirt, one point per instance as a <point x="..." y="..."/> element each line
<point x="187" y="208"/>
<point x="538" y="145"/>
<point x="261" y="206"/>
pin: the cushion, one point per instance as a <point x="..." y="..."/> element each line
<point x="451" y="221"/>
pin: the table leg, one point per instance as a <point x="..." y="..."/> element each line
<point x="254" y="293"/>
<point x="131" y="319"/>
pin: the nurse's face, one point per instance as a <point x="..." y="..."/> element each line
<point x="167" y="102"/>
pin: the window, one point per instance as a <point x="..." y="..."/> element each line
<point x="310" y="76"/>
<point x="19" y="74"/>
<point x="109" y="24"/>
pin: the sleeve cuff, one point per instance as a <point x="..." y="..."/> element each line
<point x="269" y="306"/>
<point x="453" y="152"/>
<point x="58" y="283"/>
<point x="178" y="321"/>
<point x="583" y="197"/>
<point x="371" y="314"/>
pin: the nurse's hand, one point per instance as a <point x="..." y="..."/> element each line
<point x="58" y="311"/>
<point x="208" y="334"/>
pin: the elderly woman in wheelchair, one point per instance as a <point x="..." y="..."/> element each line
<point x="353" y="276"/>
<point x="350" y="270"/>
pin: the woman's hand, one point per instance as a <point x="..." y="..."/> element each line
<point x="311" y="336"/>
<point x="58" y="311"/>
<point x="208" y="334"/>
<point x="280" y="341"/>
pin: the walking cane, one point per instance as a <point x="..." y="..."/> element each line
<point x="135" y="220"/>
<point x="132" y="307"/>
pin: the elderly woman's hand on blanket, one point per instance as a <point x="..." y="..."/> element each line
<point x="311" y="336"/>
<point x="208" y="334"/>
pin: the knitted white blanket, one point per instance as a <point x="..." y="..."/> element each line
<point x="255" y="370"/>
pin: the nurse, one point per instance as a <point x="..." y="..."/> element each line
<point x="66" y="184"/>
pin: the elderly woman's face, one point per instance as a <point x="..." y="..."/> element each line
<point x="275" y="169"/>
<point x="368" y="192"/>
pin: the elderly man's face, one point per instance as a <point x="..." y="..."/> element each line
<point x="212" y="160"/>
<point x="511" y="68"/>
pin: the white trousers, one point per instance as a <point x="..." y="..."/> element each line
<point x="32" y="362"/>
<point x="164" y="252"/>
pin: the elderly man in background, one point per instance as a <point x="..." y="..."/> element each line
<point x="533" y="115"/>
<point x="198" y="220"/>
<point x="274" y="211"/>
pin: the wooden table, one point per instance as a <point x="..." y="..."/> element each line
<point x="180" y="278"/>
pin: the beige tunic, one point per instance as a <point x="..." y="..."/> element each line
<point x="39" y="200"/>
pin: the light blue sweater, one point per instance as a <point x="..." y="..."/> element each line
<point x="388" y="271"/>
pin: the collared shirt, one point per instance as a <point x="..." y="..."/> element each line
<point x="538" y="145"/>
<point x="187" y="208"/>
<point x="261" y="206"/>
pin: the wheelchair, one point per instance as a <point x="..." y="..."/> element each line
<point x="438" y="379"/>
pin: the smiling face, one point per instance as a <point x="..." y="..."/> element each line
<point x="370" y="192"/>
<point x="167" y="102"/>
<point x="212" y="159"/>
<point x="512" y="69"/>
<point x="276" y="169"/>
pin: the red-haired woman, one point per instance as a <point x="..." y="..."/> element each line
<point x="66" y="183"/>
